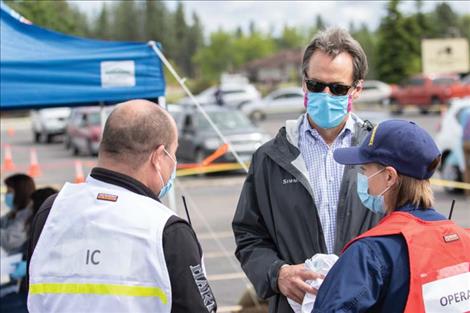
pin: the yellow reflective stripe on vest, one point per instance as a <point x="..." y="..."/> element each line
<point x="99" y="289"/>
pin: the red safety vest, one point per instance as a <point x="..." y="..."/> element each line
<point x="439" y="258"/>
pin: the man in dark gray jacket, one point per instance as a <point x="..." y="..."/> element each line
<point x="296" y="200"/>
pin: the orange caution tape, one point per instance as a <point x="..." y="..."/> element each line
<point x="214" y="156"/>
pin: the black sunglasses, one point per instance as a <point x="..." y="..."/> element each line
<point x="336" y="89"/>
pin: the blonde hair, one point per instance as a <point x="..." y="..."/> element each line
<point x="415" y="192"/>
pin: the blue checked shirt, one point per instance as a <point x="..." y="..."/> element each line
<point x="325" y="173"/>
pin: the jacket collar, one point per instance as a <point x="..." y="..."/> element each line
<point x="354" y="124"/>
<point x="121" y="180"/>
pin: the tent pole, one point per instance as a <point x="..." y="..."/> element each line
<point x="162" y="103"/>
<point x="102" y="117"/>
<point x="196" y="102"/>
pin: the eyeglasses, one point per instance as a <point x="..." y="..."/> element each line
<point x="336" y="89"/>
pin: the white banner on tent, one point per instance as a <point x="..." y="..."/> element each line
<point x="117" y="74"/>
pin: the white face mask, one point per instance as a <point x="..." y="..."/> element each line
<point x="169" y="184"/>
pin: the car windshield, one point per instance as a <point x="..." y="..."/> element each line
<point x="224" y="120"/>
<point x="94" y="118"/>
<point x="443" y="81"/>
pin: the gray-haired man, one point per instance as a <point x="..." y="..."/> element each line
<point x="296" y="200"/>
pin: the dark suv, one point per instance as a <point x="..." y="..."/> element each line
<point x="197" y="139"/>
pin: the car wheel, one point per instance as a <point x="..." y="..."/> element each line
<point x="385" y="102"/>
<point x="257" y="116"/>
<point x="451" y="172"/>
<point x="75" y="149"/>
<point x="49" y="138"/>
<point x="424" y="111"/>
<point x="395" y="107"/>
<point x="434" y="102"/>
<point x="90" y="148"/>
<point x="67" y="142"/>
<point x="37" y="137"/>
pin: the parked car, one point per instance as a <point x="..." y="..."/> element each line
<point x="197" y="139"/>
<point x="84" y="129"/>
<point x="233" y="95"/>
<point x="375" y="92"/>
<point x="466" y="80"/>
<point x="283" y="100"/>
<point x="48" y="123"/>
<point x="463" y="89"/>
<point x="448" y="139"/>
<point x="426" y="90"/>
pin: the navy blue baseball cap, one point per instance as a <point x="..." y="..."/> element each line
<point x="401" y="144"/>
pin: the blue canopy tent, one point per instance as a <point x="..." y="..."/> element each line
<point x="41" y="68"/>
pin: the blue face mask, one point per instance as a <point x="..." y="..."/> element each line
<point x="9" y="199"/>
<point x="325" y="110"/>
<point x="373" y="203"/>
<point x="169" y="184"/>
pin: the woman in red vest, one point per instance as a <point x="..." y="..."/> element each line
<point x="414" y="260"/>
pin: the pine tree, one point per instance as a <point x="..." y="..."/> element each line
<point x="156" y="23"/>
<point x="126" y="21"/>
<point x="368" y="42"/>
<point x="194" y="41"/>
<point x="446" y="21"/>
<point x="56" y="15"/>
<point x="180" y="29"/>
<point x="319" y="23"/>
<point x="290" y="38"/>
<point x="393" y="50"/>
<point x="103" y="24"/>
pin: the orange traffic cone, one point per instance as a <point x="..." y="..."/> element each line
<point x="34" y="170"/>
<point x="8" y="164"/>
<point x="79" y="177"/>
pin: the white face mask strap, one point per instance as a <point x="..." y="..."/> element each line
<point x="167" y="153"/>
<point x="376" y="173"/>
<point x="160" y="175"/>
<point x="386" y="189"/>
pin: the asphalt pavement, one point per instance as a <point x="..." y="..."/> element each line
<point x="211" y="199"/>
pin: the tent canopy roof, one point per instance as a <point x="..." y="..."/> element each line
<point x="43" y="68"/>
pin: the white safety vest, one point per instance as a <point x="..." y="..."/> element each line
<point x="101" y="251"/>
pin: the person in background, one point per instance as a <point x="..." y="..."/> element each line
<point x="16" y="300"/>
<point x="414" y="260"/>
<point x="13" y="232"/>
<point x="37" y="199"/>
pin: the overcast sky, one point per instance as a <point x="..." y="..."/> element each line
<point x="275" y="14"/>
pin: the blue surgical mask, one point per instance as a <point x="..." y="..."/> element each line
<point x="9" y="196"/>
<point x="325" y="110"/>
<point x="169" y="184"/>
<point x="374" y="203"/>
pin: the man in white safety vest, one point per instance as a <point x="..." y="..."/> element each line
<point x="109" y="245"/>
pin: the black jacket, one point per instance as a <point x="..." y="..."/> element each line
<point x="276" y="221"/>
<point x="180" y="246"/>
